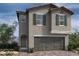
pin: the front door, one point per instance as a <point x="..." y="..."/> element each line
<point x="23" y="42"/>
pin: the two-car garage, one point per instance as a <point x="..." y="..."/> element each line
<point x="49" y="43"/>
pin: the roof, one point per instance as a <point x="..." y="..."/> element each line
<point x="22" y="12"/>
<point x="64" y="8"/>
<point x="43" y="6"/>
<point x="46" y="5"/>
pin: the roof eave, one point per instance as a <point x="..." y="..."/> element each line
<point x="67" y="10"/>
<point x="19" y="12"/>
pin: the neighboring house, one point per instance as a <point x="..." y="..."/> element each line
<point x="45" y="27"/>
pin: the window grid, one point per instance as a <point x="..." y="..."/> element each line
<point x="61" y="20"/>
<point x="39" y="19"/>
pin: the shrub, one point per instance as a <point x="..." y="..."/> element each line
<point x="73" y="42"/>
<point x="8" y="46"/>
<point x="15" y="46"/>
<point x="71" y="47"/>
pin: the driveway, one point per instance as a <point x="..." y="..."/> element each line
<point x="50" y="53"/>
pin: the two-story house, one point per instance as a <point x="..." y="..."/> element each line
<point x="45" y="27"/>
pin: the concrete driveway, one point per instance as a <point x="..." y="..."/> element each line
<point x="50" y="53"/>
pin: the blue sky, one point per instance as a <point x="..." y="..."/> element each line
<point x="8" y="12"/>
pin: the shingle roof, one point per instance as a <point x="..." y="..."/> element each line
<point x="42" y="6"/>
<point x="47" y="5"/>
<point x="64" y="8"/>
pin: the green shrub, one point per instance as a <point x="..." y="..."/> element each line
<point x="15" y="46"/>
<point x="73" y="42"/>
<point x="8" y="46"/>
<point x="71" y="47"/>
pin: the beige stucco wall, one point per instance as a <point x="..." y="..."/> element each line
<point x="45" y="30"/>
<point x="60" y="29"/>
<point x="23" y="24"/>
<point x="33" y="30"/>
<point x="66" y="42"/>
<point x="36" y="30"/>
<point x="23" y="27"/>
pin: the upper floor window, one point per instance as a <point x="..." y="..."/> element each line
<point x="61" y="19"/>
<point x="39" y="19"/>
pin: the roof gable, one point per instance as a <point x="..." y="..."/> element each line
<point x="43" y="6"/>
<point x="63" y="9"/>
<point x="67" y="10"/>
<point x="49" y="6"/>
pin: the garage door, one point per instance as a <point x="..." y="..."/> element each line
<point x="49" y="43"/>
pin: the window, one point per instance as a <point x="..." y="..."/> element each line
<point x="39" y="19"/>
<point x="61" y="20"/>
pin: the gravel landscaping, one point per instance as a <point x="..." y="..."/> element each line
<point x="50" y="53"/>
<point x="39" y="53"/>
<point x="9" y="53"/>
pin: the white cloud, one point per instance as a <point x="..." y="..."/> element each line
<point x="68" y="5"/>
<point x="75" y="25"/>
<point x="9" y="20"/>
<point x="59" y="4"/>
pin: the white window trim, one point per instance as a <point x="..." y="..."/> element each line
<point x="40" y="13"/>
<point x="62" y="14"/>
<point x="39" y="24"/>
<point x="61" y="25"/>
<point x="60" y="32"/>
<point x="48" y="35"/>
